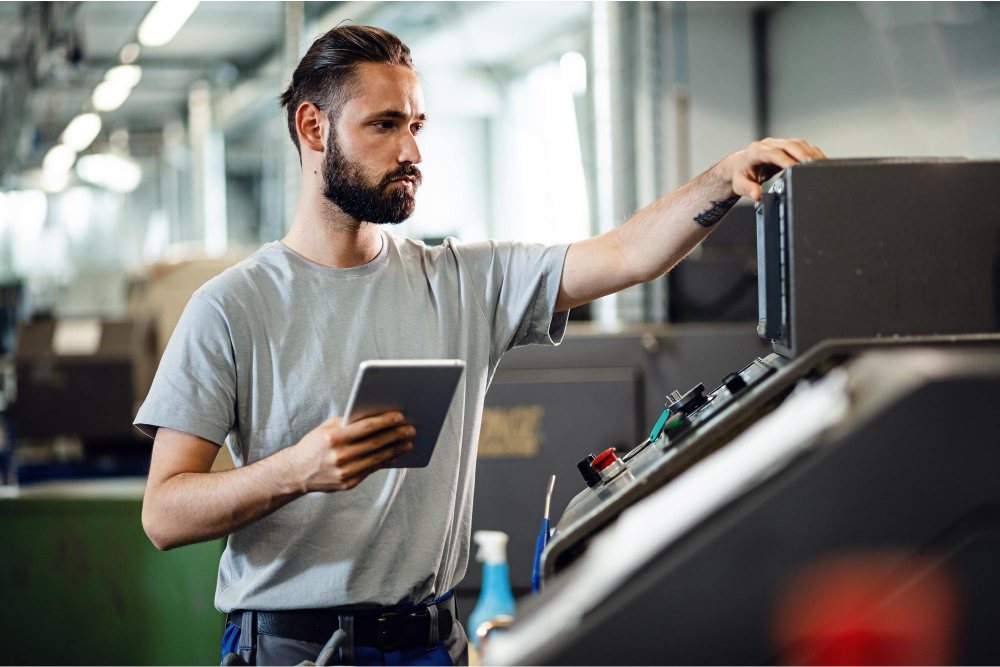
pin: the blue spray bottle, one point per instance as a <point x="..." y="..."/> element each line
<point x="496" y="597"/>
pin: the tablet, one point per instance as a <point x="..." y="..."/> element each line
<point x="422" y="389"/>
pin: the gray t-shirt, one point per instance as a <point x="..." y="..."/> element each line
<point x="268" y="350"/>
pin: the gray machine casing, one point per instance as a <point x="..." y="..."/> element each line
<point x="907" y="469"/>
<point x="822" y="226"/>
<point x="893" y="255"/>
<point x="878" y="248"/>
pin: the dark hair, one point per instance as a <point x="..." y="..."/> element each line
<point x="325" y="75"/>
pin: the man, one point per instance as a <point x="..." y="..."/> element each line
<point x="266" y="352"/>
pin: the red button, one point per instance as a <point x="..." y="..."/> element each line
<point x="604" y="459"/>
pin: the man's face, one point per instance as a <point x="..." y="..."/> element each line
<point x="369" y="170"/>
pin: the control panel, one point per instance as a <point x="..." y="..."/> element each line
<point x="608" y="473"/>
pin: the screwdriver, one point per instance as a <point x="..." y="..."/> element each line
<point x="654" y="434"/>
<point x="543" y="539"/>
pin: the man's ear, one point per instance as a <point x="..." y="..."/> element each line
<point x="309" y="124"/>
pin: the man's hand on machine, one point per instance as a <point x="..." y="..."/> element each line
<point x="748" y="168"/>
<point x="338" y="457"/>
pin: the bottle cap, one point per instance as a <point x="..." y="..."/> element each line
<point x="492" y="546"/>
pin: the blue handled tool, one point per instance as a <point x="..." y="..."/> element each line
<point x="543" y="539"/>
<point x="653" y="435"/>
<point x="658" y="427"/>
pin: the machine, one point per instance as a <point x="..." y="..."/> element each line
<point x="860" y="443"/>
<point x="79" y="382"/>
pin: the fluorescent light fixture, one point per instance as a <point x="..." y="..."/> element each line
<point x="59" y="159"/>
<point x="55" y="168"/>
<point x="81" y="131"/>
<point x="116" y="87"/>
<point x="54" y="182"/>
<point x="109" y="95"/>
<point x="164" y="20"/>
<point x="110" y="171"/>
<point x="129" y="53"/>
<point x="573" y="67"/>
<point x="125" y="75"/>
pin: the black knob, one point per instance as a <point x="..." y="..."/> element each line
<point x="734" y="383"/>
<point x="590" y="476"/>
<point x="690" y="401"/>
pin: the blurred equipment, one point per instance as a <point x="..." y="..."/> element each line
<point x="12" y="314"/>
<point x="870" y="608"/>
<point x="80" y="381"/>
<point x="718" y="281"/>
<point x="75" y="558"/>
<point x="163" y="289"/>
<point x="870" y="429"/>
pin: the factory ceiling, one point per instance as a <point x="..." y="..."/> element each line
<point x="53" y="56"/>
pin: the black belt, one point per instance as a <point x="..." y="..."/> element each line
<point x="387" y="630"/>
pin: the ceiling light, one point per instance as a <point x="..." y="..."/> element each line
<point x="56" y="166"/>
<point x="109" y="95"/>
<point x="110" y="171"/>
<point x="573" y="67"/>
<point x="54" y="182"/>
<point x="129" y="53"/>
<point x="60" y="158"/>
<point x="164" y="20"/>
<point x="81" y="131"/>
<point x="126" y="75"/>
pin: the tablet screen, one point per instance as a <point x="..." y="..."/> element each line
<point x="421" y="389"/>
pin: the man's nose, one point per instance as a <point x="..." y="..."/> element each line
<point x="409" y="151"/>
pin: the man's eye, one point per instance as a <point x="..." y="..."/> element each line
<point x="418" y="128"/>
<point x="385" y="124"/>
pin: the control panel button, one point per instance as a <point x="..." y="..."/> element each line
<point x="604" y="459"/>
<point x="690" y="401"/>
<point x="735" y="383"/>
<point x="590" y="476"/>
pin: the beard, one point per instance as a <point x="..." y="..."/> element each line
<point x="347" y="186"/>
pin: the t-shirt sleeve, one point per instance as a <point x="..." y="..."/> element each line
<point x="194" y="389"/>
<point x="517" y="284"/>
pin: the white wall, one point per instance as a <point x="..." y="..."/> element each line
<point x="723" y="117"/>
<point x="453" y="199"/>
<point x="871" y="79"/>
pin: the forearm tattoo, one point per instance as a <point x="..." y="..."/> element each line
<point x="718" y="210"/>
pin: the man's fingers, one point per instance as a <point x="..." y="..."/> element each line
<point x="800" y="149"/>
<point x="765" y="159"/>
<point x="377" y="441"/>
<point x="814" y="152"/>
<point x="368" y="464"/>
<point x="746" y="187"/>
<point x="365" y="427"/>
<point x="775" y="155"/>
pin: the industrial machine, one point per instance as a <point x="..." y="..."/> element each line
<point x="79" y="382"/>
<point x="862" y="445"/>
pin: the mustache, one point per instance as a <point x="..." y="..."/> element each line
<point x="410" y="170"/>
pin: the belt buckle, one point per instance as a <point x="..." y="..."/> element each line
<point x="383" y="629"/>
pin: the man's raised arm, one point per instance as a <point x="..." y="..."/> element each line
<point x="653" y="240"/>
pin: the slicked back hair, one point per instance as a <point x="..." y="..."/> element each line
<point x="326" y="74"/>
